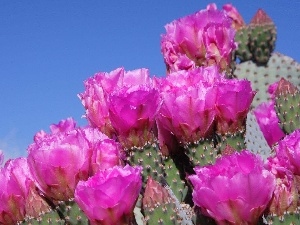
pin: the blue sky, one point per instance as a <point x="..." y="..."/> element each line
<point x="48" y="48"/>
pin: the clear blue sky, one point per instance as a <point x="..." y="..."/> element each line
<point x="48" y="48"/>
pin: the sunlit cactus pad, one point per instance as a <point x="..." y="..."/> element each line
<point x="261" y="77"/>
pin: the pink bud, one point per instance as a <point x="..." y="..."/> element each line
<point x="155" y="194"/>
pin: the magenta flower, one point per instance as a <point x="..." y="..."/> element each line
<point x="188" y="109"/>
<point x="133" y="112"/>
<point x="268" y="122"/>
<point x="288" y="152"/>
<point x="58" y="161"/>
<point x="201" y="39"/>
<point x="233" y="13"/>
<point x="285" y="197"/>
<point x="189" y="115"/>
<point x="236" y="190"/>
<point x="110" y="195"/>
<point x="63" y="126"/>
<point x="12" y="198"/>
<point x="17" y="189"/>
<point x="123" y="104"/>
<point x="95" y="103"/>
<point x="106" y="154"/>
<point x="233" y="102"/>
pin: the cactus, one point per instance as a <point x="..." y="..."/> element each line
<point x="287" y="218"/>
<point x="254" y="138"/>
<point x="235" y="140"/>
<point x="45" y="218"/>
<point x="287" y="99"/>
<point x="150" y="158"/>
<point x="72" y="213"/>
<point x="262" y="76"/>
<point x="174" y="178"/>
<point x="262" y="37"/>
<point x="158" y="205"/>
<point x="243" y="52"/>
<point x="166" y="196"/>
<point x="202" y="152"/>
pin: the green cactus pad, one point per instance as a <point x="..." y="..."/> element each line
<point x="235" y="140"/>
<point x="262" y="42"/>
<point x="262" y="76"/>
<point x="288" y="111"/>
<point x="254" y="138"/>
<point x="202" y="152"/>
<point x="262" y="37"/>
<point x="150" y="158"/>
<point x="174" y="180"/>
<point x="45" y="218"/>
<point x="286" y="219"/>
<point x="162" y="214"/>
<point x="242" y="38"/>
<point x="72" y="213"/>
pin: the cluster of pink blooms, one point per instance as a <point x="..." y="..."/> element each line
<point x="62" y="165"/>
<point x="201" y="101"/>
<point x="201" y="39"/>
<point x="128" y="109"/>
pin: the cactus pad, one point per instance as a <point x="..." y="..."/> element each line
<point x="262" y="76"/>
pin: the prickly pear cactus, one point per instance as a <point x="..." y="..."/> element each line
<point x="45" y="218"/>
<point x="262" y="37"/>
<point x="67" y="213"/>
<point x="175" y="179"/>
<point x="254" y="138"/>
<point x="158" y="205"/>
<point x="287" y="106"/>
<point x="150" y="158"/>
<point x="286" y="219"/>
<point x="263" y="75"/>
<point x="202" y="152"/>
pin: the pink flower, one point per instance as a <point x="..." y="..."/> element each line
<point x="62" y="126"/>
<point x="16" y="191"/>
<point x="200" y="39"/>
<point x="12" y="197"/>
<point x="189" y="115"/>
<point x="188" y="108"/>
<point x="95" y="103"/>
<point x="122" y="103"/>
<point x="233" y="102"/>
<point x="288" y="152"/>
<point x="233" y="13"/>
<point x="285" y="197"/>
<point x="236" y="190"/>
<point x="268" y="122"/>
<point x="110" y="195"/>
<point x="133" y="112"/>
<point x="58" y="161"/>
<point x="106" y="154"/>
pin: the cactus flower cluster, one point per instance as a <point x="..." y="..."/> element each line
<point x="173" y="149"/>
